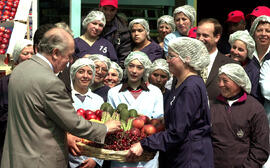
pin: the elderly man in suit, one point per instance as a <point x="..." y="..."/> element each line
<point x="209" y="32"/>
<point x="40" y="110"/>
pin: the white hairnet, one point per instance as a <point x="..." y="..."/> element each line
<point x="142" y="58"/>
<point x="168" y="20"/>
<point x="244" y="36"/>
<point x="191" y="51"/>
<point x="160" y="64"/>
<point x="236" y="73"/>
<point x="142" y="22"/>
<point x="119" y="70"/>
<point x="188" y="10"/>
<point x="92" y="16"/>
<point x="101" y="58"/>
<point x="255" y="23"/>
<point x="19" y="46"/>
<point x="79" y="63"/>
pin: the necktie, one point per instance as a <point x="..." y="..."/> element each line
<point x="81" y="97"/>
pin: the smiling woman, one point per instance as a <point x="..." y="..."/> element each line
<point x="91" y="42"/>
<point x="82" y="74"/>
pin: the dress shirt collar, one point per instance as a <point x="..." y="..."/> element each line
<point x="44" y="59"/>
<point x="255" y="54"/>
<point x="126" y="86"/>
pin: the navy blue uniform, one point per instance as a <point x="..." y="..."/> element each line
<point x="101" y="46"/>
<point x="186" y="140"/>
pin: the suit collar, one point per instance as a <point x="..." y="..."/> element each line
<point x="41" y="61"/>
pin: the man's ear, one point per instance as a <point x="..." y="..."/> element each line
<point x="55" y="53"/>
<point x="217" y="37"/>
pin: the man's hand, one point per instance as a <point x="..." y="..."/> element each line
<point x="72" y="146"/>
<point x="135" y="151"/>
<point x="113" y="125"/>
<point x="88" y="163"/>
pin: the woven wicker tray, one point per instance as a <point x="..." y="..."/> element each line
<point x="106" y="154"/>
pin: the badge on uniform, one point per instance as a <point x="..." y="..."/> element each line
<point x="172" y="100"/>
<point x="240" y="133"/>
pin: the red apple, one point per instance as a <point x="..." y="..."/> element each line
<point x="5" y="35"/>
<point x="2" y="51"/>
<point x="138" y="123"/>
<point x="7" y="31"/>
<point x="15" y="5"/>
<point x="144" y="118"/>
<point x="1" y="38"/>
<point x="135" y="131"/>
<point x="13" y="10"/>
<point x="87" y="113"/>
<point x="9" y="4"/>
<point x="12" y="13"/>
<point x="1" y="34"/>
<point x="91" y="116"/>
<point x="99" y="113"/>
<point x="7" y="8"/>
<point x="5" y="40"/>
<point x="2" y="29"/>
<point x="3" y="46"/>
<point x="81" y="111"/>
<point x="149" y="129"/>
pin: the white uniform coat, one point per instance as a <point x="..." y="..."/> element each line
<point x="92" y="102"/>
<point x="149" y="103"/>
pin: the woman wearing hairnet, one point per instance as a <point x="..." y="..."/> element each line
<point x="102" y="65"/>
<point x="91" y="42"/>
<point x="139" y="95"/>
<point x="186" y="140"/>
<point x="165" y="25"/>
<point x="260" y="31"/>
<point x="22" y="51"/>
<point x="82" y="74"/>
<point x="242" y="49"/>
<point x="159" y="74"/>
<point x="240" y="133"/>
<point x="115" y="75"/>
<point x="184" y="19"/>
<point x="140" y="31"/>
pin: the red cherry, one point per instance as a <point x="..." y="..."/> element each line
<point x="1" y="34"/>
<point x="1" y="7"/>
<point x="1" y="38"/>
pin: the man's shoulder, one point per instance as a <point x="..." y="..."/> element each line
<point x="224" y="59"/>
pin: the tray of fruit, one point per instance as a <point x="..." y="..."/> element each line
<point x="134" y="128"/>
